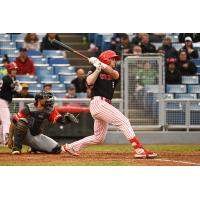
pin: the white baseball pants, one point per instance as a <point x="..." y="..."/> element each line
<point x="4" y="117"/>
<point x="103" y="114"/>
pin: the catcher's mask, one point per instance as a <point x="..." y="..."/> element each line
<point x="47" y="96"/>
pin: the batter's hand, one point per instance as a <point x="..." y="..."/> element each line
<point x="93" y="60"/>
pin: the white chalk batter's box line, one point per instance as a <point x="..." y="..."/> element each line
<point x="177" y="161"/>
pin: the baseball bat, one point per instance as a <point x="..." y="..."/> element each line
<point x="66" y="47"/>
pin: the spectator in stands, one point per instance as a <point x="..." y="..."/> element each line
<point x="3" y="69"/>
<point x="31" y="42"/>
<point x="80" y="81"/>
<point x="47" y="87"/>
<point x="145" y="76"/>
<point x="185" y="66"/>
<point x="115" y="40"/>
<point x="194" y="36"/>
<point x="71" y="92"/>
<point x="172" y="74"/>
<point x="124" y="45"/>
<point x="136" y="50"/>
<point x="24" y="63"/>
<point x="192" y="53"/>
<point x="24" y="92"/>
<point x="47" y="42"/>
<point x="146" y="46"/>
<point x="156" y="37"/>
<point x="167" y="49"/>
<point x="137" y="39"/>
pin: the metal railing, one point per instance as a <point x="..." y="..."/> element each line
<point x="138" y="73"/>
<point x="181" y="114"/>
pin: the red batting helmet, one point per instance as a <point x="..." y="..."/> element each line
<point x="12" y="66"/>
<point x="107" y="55"/>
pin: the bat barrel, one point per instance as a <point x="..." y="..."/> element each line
<point x="66" y="47"/>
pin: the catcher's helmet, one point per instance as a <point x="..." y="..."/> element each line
<point x="107" y="55"/>
<point x="47" y="96"/>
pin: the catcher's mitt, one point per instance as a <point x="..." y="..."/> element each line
<point x="70" y="118"/>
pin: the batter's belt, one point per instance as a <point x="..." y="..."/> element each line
<point x="102" y="98"/>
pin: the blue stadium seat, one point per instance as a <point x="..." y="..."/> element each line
<point x="175" y="113"/>
<point x="193" y="88"/>
<point x="34" y="53"/>
<point x="52" y="61"/>
<point x="48" y="79"/>
<point x="176" y="88"/>
<point x="98" y="40"/>
<point x="81" y="95"/>
<point x="190" y="80"/>
<point x="18" y="37"/>
<point x="7" y="44"/>
<point x="91" y="36"/>
<point x="26" y="79"/>
<point x="40" y="60"/>
<point x="195" y="113"/>
<point x="19" y="44"/>
<point x="53" y="53"/>
<point x="66" y="78"/>
<point x="60" y="95"/>
<point x="9" y="51"/>
<point x="198" y="69"/>
<point x="35" y="87"/>
<point x="196" y="61"/>
<point x="5" y="37"/>
<point x="186" y="96"/>
<point x="44" y="70"/>
<point x="64" y="70"/>
<point x="58" y="88"/>
<point x="12" y="58"/>
<point x="1" y="76"/>
<point x="105" y="45"/>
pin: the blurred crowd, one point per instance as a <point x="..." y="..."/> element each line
<point x="178" y="62"/>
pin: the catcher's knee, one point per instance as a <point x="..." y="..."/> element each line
<point x="21" y="127"/>
<point x="57" y="149"/>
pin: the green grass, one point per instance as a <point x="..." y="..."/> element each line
<point x="157" y="148"/>
<point x="100" y="148"/>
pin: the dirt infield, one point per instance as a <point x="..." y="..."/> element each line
<point x="100" y="158"/>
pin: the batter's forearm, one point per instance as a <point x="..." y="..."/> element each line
<point x="111" y="72"/>
<point x="92" y="77"/>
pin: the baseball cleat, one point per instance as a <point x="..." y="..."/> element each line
<point x="141" y="153"/>
<point x="69" y="150"/>
<point x="150" y="154"/>
<point x="16" y="152"/>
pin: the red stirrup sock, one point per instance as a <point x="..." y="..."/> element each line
<point x="135" y="143"/>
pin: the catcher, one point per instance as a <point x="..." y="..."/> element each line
<point x="28" y="125"/>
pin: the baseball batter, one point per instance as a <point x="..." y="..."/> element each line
<point x="8" y="87"/>
<point x="28" y="125"/>
<point x="103" y="78"/>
